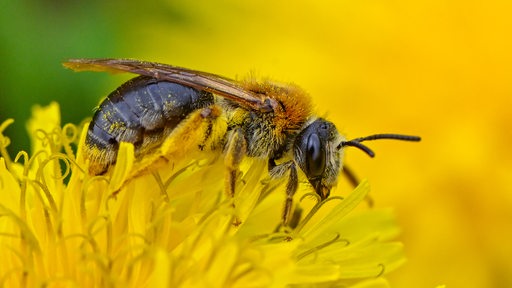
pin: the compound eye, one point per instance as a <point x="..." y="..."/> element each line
<point x="315" y="156"/>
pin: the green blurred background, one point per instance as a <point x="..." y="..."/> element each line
<point x="439" y="69"/>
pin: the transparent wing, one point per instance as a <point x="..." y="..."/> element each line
<point x="216" y="84"/>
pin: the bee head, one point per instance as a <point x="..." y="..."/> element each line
<point x="317" y="154"/>
<point x="318" y="150"/>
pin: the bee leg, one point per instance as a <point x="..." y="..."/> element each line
<point x="291" y="188"/>
<point x="235" y="151"/>
<point x="295" y="218"/>
<point x="279" y="171"/>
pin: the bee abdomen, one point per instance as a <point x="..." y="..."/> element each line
<point x="143" y="111"/>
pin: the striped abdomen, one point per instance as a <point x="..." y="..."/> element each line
<point x="142" y="111"/>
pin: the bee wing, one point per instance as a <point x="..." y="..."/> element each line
<point x="216" y="84"/>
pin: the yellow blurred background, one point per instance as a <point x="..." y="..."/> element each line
<point x="438" y="69"/>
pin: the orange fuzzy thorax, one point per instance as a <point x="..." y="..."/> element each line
<point x="294" y="107"/>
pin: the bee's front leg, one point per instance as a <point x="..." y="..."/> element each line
<point x="279" y="171"/>
<point x="236" y="148"/>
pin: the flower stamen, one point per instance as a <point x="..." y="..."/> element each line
<point x="323" y="245"/>
<point x="315" y="209"/>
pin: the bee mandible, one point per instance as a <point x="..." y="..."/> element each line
<point x="263" y="119"/>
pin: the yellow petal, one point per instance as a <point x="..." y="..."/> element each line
<point x="160" y="276"/>
<point x="123" y="166"/>
<point x="43" y="122"/>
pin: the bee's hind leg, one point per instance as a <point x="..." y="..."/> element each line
<point x="236" y="149"/>
<point x="279" y="171"/>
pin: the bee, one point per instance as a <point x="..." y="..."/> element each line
<point x="262" y="119"/>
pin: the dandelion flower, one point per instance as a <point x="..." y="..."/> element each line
<point x="174" y="226"/>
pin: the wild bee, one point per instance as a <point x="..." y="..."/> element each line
<point x="263" y="119"/>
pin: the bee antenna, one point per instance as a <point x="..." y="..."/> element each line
<point x="356" y="144"/>
<point x="357" y="141"/>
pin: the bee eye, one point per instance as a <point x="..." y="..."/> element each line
<point x="315" y="156"/>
